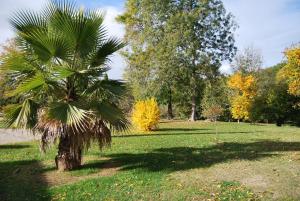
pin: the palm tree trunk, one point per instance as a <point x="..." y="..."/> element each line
<point x="67" y="158"/>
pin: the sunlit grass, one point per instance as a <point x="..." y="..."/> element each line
<point x="179" y="161"/>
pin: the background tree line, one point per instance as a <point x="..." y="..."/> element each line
<point x="174" y="53"/>
<point x="174" y="48"/>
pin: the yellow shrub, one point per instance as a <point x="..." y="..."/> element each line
<point x="145" y="115"/>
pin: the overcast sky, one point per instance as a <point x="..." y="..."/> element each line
<point x="268" y="25"/>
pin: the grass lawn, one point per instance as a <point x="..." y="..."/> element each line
<point x="180" y="161"/>
<point x="1" y="123"/>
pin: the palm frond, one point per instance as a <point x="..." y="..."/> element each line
<point x="82" y="28"/>
<point x="95" y="72"/>
<point x="69" y="114"/>
<point x="26" y="21"/>
<point x="22" y="115"/>
<point x="11" y="113"/>
<point x="47" y="44"/>
<point x="111" y="114"/>
<point x="61" y="72"/>
<point x="105" y="50"/>
<point x="28" y="85"/>
<point x="106" y="87"/>
<point x="15" y="62"/>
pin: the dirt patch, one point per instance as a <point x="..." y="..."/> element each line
<point x="274" y="178"/>
<point x="55" y="178"/>
<point x="256" y="181"/>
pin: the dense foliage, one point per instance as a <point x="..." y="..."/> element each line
<point x="291" y="71"/>
<point x="244" y="92"/>
<point x="273" y="103"/>
<point x="181" y="68"/>
<point x="168" y="63"/>
<point x="215" y="100"/>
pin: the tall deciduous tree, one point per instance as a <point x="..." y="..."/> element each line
<point x="205" y="39"/>
<point x="248" y="61"/>
<point x="60" y="80"/>
<point x="215" y="98"/>
<point x="291" y="71"/>
<point x="242" y="98"/>
<point x="195" y="33"/>
<point x="152" y="66"/>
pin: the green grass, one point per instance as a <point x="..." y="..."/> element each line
<point x="180" y="161"/>
<point x="1" y="123"/>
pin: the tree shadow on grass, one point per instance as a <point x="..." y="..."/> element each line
<point x="181" y="129"/>
<point x="14" y="146"/>
<point x="185" y="158"/>
<point x="22" y="180"/>
<point x="187" y="133"/>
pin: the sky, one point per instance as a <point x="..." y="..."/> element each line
<point x="267" y="25"/>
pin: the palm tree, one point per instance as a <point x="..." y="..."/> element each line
<point x="59" y="79"/>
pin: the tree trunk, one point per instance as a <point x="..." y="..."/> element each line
<point x="194" y="95"/>
<point x="279" y="122"/>
<point x="170" y="106"/>
<point x="216" y="127"/>
<point x="193" y="115"/>
<point x="66" y="158"/>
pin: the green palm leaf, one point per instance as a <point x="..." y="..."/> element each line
<point x="110" y="114"/>
<point x="60" y="72"/>
<point x="11" y="113"/>
<point x="28" y="85"/>
<point x="105" y="50"/>
<point x="22" y="115"/>
<point x="69" y="114"/>
<point x="106" y="87"/>
<point x="83" y="29"/>
<point x="16" y="63"/>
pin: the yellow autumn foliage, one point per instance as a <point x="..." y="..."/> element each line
<point x="145" y="114"/>
<point x="240" y="107"/>
<point x="245" y="91"/>
<point x="245" y="85"/>
<point x="291" y="71"/>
